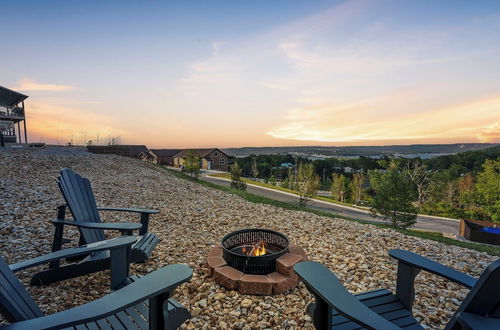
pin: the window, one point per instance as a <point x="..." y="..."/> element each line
<point x="222" y="161"/>
<point x="216" y="154"/>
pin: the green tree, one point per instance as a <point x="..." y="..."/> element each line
<point x="394" y="194"/>
<point x="193" y="163"/>
<point x="339" y="187"/>
<point x="358" y="179"/>
<point x="307" y="183"/>
<point x="236" y="181"/>
<point x="488" y="189"/>
<point x="443" y="193"/>
<point x="272" y="180"/>
<point x="291" y="181"/>
<point x="255" y="169"/>
<point x="466" y="190"/>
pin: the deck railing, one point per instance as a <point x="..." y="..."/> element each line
<point x="11" y="113"/>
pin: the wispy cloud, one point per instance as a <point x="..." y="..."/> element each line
<point x="31" y="85"/>
<point x="216" y="47"/>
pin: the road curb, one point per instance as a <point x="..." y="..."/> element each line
<point x="331" y="203"/>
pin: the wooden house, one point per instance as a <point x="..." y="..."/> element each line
<point x="12" y="112"/>
<point x="163" y="156"/>
<point x="146" y="156"/>
<point x="210" y="159"/>
<point x="122" y="150"/>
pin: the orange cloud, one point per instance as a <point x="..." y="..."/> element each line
<point x="490" y="134"/>
<point x="54" y="122"/>
<point x="370" y="122"/>
<point x="30" y="85"/>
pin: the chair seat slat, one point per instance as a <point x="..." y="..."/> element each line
<point x="115" y="323"/>
<point x="126" y="321"/>
<point x="137" y="317"/>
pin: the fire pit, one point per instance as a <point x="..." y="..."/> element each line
<point x="254" y="251"/>
<point x="255" y="261"/>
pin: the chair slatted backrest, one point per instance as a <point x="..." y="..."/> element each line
<point x="78" y="194"/>
<point x="484" y="298"/>
<point x="15" y="302"/>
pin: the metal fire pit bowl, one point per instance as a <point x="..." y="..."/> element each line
<point x="276" y="243"/>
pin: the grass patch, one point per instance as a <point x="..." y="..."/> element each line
<point x="271" y="186"/>
<point x="492" y="250"/>
<point x="257" y="183"/>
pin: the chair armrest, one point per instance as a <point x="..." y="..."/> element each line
<point x="120" y="209"/>
<point x="326" y="287"/>
<point x="144" y="216"/>
<point x="121" y="226"/>
<point x="163" y="280"/>
<point x="417" y="261"/>
<point x="475" y="321"/>
<point x="110" y="244"/>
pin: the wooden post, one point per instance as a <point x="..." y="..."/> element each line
<point x="19" y="131"/>
<point x="462" y="228"/>
<point x="25" y="133"/>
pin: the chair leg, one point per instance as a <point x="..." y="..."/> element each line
<point x="57" y="243"/>
<point x="320" y="313"/>
<point x="145" y="222"/>
<point x="156" y="318"/>
<point x="120" y="264"/>
<point x="405" y="287"/>
<point x="175" y="314"/>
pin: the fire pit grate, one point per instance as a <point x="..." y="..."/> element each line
<point x="254" y="251"/>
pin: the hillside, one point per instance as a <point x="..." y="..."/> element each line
<point x="425" y="150"/>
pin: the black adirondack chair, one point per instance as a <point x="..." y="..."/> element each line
<point x="77" y="193"/>
<point x="335" y="307"/>
<point x="142" y="304"/>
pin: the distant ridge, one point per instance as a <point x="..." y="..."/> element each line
<point x="428" y="150"/>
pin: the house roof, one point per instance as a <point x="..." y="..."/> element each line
<point x="123" y="150"/>
<point x="201" y="152"/>
<point x="164" y="152"/>
<point x="9" y="98"/>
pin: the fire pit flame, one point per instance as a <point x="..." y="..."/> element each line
<point x="257" y="249"/>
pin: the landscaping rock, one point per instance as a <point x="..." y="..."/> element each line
<point x="192" y="219"/>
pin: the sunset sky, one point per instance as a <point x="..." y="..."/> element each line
<point x="255" y="73"/>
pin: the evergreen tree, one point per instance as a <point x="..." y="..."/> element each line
<point x="236" y="181"/>
<point x="394" y="193"/>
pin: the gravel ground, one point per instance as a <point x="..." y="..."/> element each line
<point x="192" y="219"/>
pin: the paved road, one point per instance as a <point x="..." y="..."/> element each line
<point x="427" y="223"/>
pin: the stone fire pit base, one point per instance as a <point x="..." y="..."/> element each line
<point x="277" y="282"/>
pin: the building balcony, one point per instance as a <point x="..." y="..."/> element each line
<point x="13" y="114"/>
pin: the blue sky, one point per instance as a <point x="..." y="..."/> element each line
<point x="250" y="73"/>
